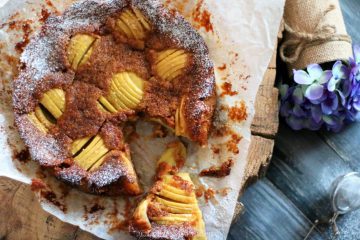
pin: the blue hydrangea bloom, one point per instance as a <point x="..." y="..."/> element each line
<point x="323" y="98"/>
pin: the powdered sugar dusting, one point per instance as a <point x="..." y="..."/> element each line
<point x="176" y="232"/>
<point x="43" y="148"/>
<point x="110" y="172"/>
<point x="72" y="175"/>
<point x="185" y="36"/>
<point x="44" y="64"/>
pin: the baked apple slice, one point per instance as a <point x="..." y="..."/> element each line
<point x="171" y="205"/>
<point x="180" y="120"/>
<point x="133" y="25"/>
<point x="172" y="159"/>
<point x="172" y="63"/>
<point x="51" y="107"/>
<point x="126" y="93"/>
<point x="92" y="154"/>
<point x="80" y="49"/>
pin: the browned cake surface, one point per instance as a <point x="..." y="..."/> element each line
<point x="165" y="232"/>
<point x="44" y="66"/>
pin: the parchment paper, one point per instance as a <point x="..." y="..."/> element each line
<point x="243" y="40"/>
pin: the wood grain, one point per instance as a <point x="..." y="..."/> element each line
<point x="270" y="215"/>
<point x="304" y="168"/>
<point x="259" y="158"/>
<point x="265" y="123"/>
<point x="23" y="218"/>
<point x="346" y="144"/>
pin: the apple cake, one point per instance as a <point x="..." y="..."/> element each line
<point x="92" y="72"/>
<point x="170" y="210"/>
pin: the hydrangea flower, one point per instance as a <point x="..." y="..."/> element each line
<point x="313" y="78"/>
<point x="353" y="103"/>
<point x="339" y="73"/>
<point x="318" y="97"/>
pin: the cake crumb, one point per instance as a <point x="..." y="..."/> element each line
<point x="23" y="156"/>
<point x="223" y="192"/>
<point x="238" y="113"/>
<point x="209" y="194"/>
<point x="218" y="171"/>
<point x="222" y="67"/>
<point x="227" y="90"/>
<point x="232" y="144"/>
<point x="203" y="17"/>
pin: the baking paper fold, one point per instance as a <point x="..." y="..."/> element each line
<point x="241" y="44"/>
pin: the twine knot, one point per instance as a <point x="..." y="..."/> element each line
<point x="291" y="49"/>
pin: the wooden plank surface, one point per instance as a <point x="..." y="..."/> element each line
<point x="302" y="169"/>
<point x="346" y="145"/>
<point x="21" y="216"/>
<point x="270" y="215"/>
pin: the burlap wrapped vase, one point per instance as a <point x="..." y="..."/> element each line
<point x="314" y="33"/>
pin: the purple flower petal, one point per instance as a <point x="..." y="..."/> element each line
<point x="285" y="109"/>
<point x="336" y="70"/>
<point x="295" y="123"/>
<point x="332" y="84"/>
<point x="334" y="123"/>
<point x="355" y="73"/>
<point x="326" y="109"/>
<point x="356" y="105"/>
<point x="325" y="77"/>
<point x="320" y="100"/>
<point x="335" y="102"/>
<point x="352" y="62"/>
<point x="339" y="70"/>
<point x="329" y="120"/>
<point x="356" y="49"/>
<point x="301" y="77"/>
<point x="337" y="127"/>
<point x="342" y="98"/>
<point x="315" y="71"/>
<point x="312" y="125"/>
<point x="330" y="104"/>
<point x="298" y="111"/>
<point x="283" y="90"/>
<point x="298" y="96"/>
<point x="316" y="113"/>
<point x="357" y="117"/>
<point x="346" y="87"/>
<point x="314" y="91"/>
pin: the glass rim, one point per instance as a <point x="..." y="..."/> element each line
<point x="335" y="188"/>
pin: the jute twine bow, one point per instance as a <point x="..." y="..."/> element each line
<point x="291" y="49"/>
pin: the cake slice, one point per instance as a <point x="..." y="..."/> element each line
<point x="170" y="211"/>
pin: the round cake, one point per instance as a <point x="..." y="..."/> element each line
<point x="90" y="73"/>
